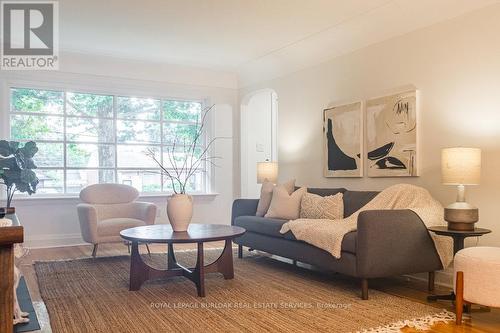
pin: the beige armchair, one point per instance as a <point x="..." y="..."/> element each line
<point x="108" y="209"/>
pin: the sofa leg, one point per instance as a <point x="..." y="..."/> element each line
<point x="94" y="250"/>
<point x="430" y="281"/>
<point x="240" y="251"/>
<point x="364" y="289"/>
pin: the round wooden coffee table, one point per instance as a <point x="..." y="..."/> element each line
<point x="196" y="233"/>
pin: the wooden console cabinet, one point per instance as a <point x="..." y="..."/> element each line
<point x="8" y="237"/>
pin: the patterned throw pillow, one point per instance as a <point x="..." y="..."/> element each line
<point x="314" y="206"/>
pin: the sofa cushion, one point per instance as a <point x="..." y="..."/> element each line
<point x="349" y="242"/>
<point x="354" y="200"/>
<point x="272" y="227"/>
<point x="261" y="225"/>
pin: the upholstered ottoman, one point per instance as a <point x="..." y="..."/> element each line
<point x="477" y="277"/>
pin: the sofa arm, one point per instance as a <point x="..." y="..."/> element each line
<point x="244" y="207"/>
<point x="393" y="242"/>
<point x="87" y="215"/>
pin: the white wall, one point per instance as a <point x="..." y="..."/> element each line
<point x="456" y="67"/>
<point x="53" y="222"/>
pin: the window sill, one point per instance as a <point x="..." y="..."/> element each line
<point x="76" y="197"/>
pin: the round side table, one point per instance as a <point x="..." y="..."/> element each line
<point x="458" y="244"/>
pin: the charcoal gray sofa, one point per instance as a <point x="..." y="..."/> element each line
<point x="386" y="242"/>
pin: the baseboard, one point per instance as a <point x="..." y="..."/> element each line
<point x="59" y="240"/>
<point x="441" y="278"/>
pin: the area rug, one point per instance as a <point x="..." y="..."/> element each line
<point x="266" y="295"/>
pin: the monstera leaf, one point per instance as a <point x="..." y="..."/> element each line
<point x="16" y="167"/>
<point x="29" y="150"/>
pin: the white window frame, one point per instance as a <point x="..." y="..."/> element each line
<point x="117" y="91"/>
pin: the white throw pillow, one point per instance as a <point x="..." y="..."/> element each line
<point x="266" y="194"/>
<point x="284" y="205"/>
<point x="314" y="206"/>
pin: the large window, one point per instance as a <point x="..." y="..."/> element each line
<point x="88" y="138"/>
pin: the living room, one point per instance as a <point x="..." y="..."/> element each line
<point x="236" y="134"/>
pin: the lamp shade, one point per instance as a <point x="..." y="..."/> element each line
<point x="461" y="166"/>
<point x="267" y="171"/>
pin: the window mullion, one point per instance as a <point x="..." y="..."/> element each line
<point x="162" y="127"/>
<point x="65" y="164"/>
<point x="115" y="131"/>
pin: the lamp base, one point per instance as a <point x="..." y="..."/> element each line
<point x="460" y="226"/>
<point x="461" y="216"/>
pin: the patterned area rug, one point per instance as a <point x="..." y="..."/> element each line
<point x="266" y="295"/>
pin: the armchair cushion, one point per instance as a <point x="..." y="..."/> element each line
<point x="138" y="210"/>
<point x="108" y="194"/>
<point x="112" y="227"/>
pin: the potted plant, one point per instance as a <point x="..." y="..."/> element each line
<point x="182" y="167"/>
<point x="16" y="168"/>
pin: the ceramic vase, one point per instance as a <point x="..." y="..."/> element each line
<point x="180" y="211"/>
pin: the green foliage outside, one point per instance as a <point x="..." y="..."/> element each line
<point x="89" y="105"/>
<point x="181" y="111"/>
<point x="32" y="100"/>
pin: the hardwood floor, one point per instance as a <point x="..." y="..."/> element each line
<point x="483" y="320"/>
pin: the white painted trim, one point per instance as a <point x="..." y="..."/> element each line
<point x="442" y="278"/>
<point x="244" y="130"/>
<point x="41" y="197"/>
<point x="85" y="83"/>
<point x="109" y="67"/>
<point x="274" y="127"/>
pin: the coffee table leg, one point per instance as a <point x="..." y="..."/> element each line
<point x="138" y="271"/>
<point x="171" y="261"/>
<point x="226" y="261"/>
<point x="199" y="272"/>
<point x="223" y="264"/>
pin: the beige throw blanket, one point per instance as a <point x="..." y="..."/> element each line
<point x="328" y="234"/>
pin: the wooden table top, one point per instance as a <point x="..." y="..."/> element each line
<point x="163" y="233"/>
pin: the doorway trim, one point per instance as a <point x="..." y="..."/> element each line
<point x="244" y="133"/>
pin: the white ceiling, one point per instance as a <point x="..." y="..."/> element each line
<point x="246" y="36"/>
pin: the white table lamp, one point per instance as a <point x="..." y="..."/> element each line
<point x="460" y="167"/>
<point x="267" y="172"/>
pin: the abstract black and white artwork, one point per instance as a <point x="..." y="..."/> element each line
<point x="391" y="134"/>
<point x="343" y="141"/>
